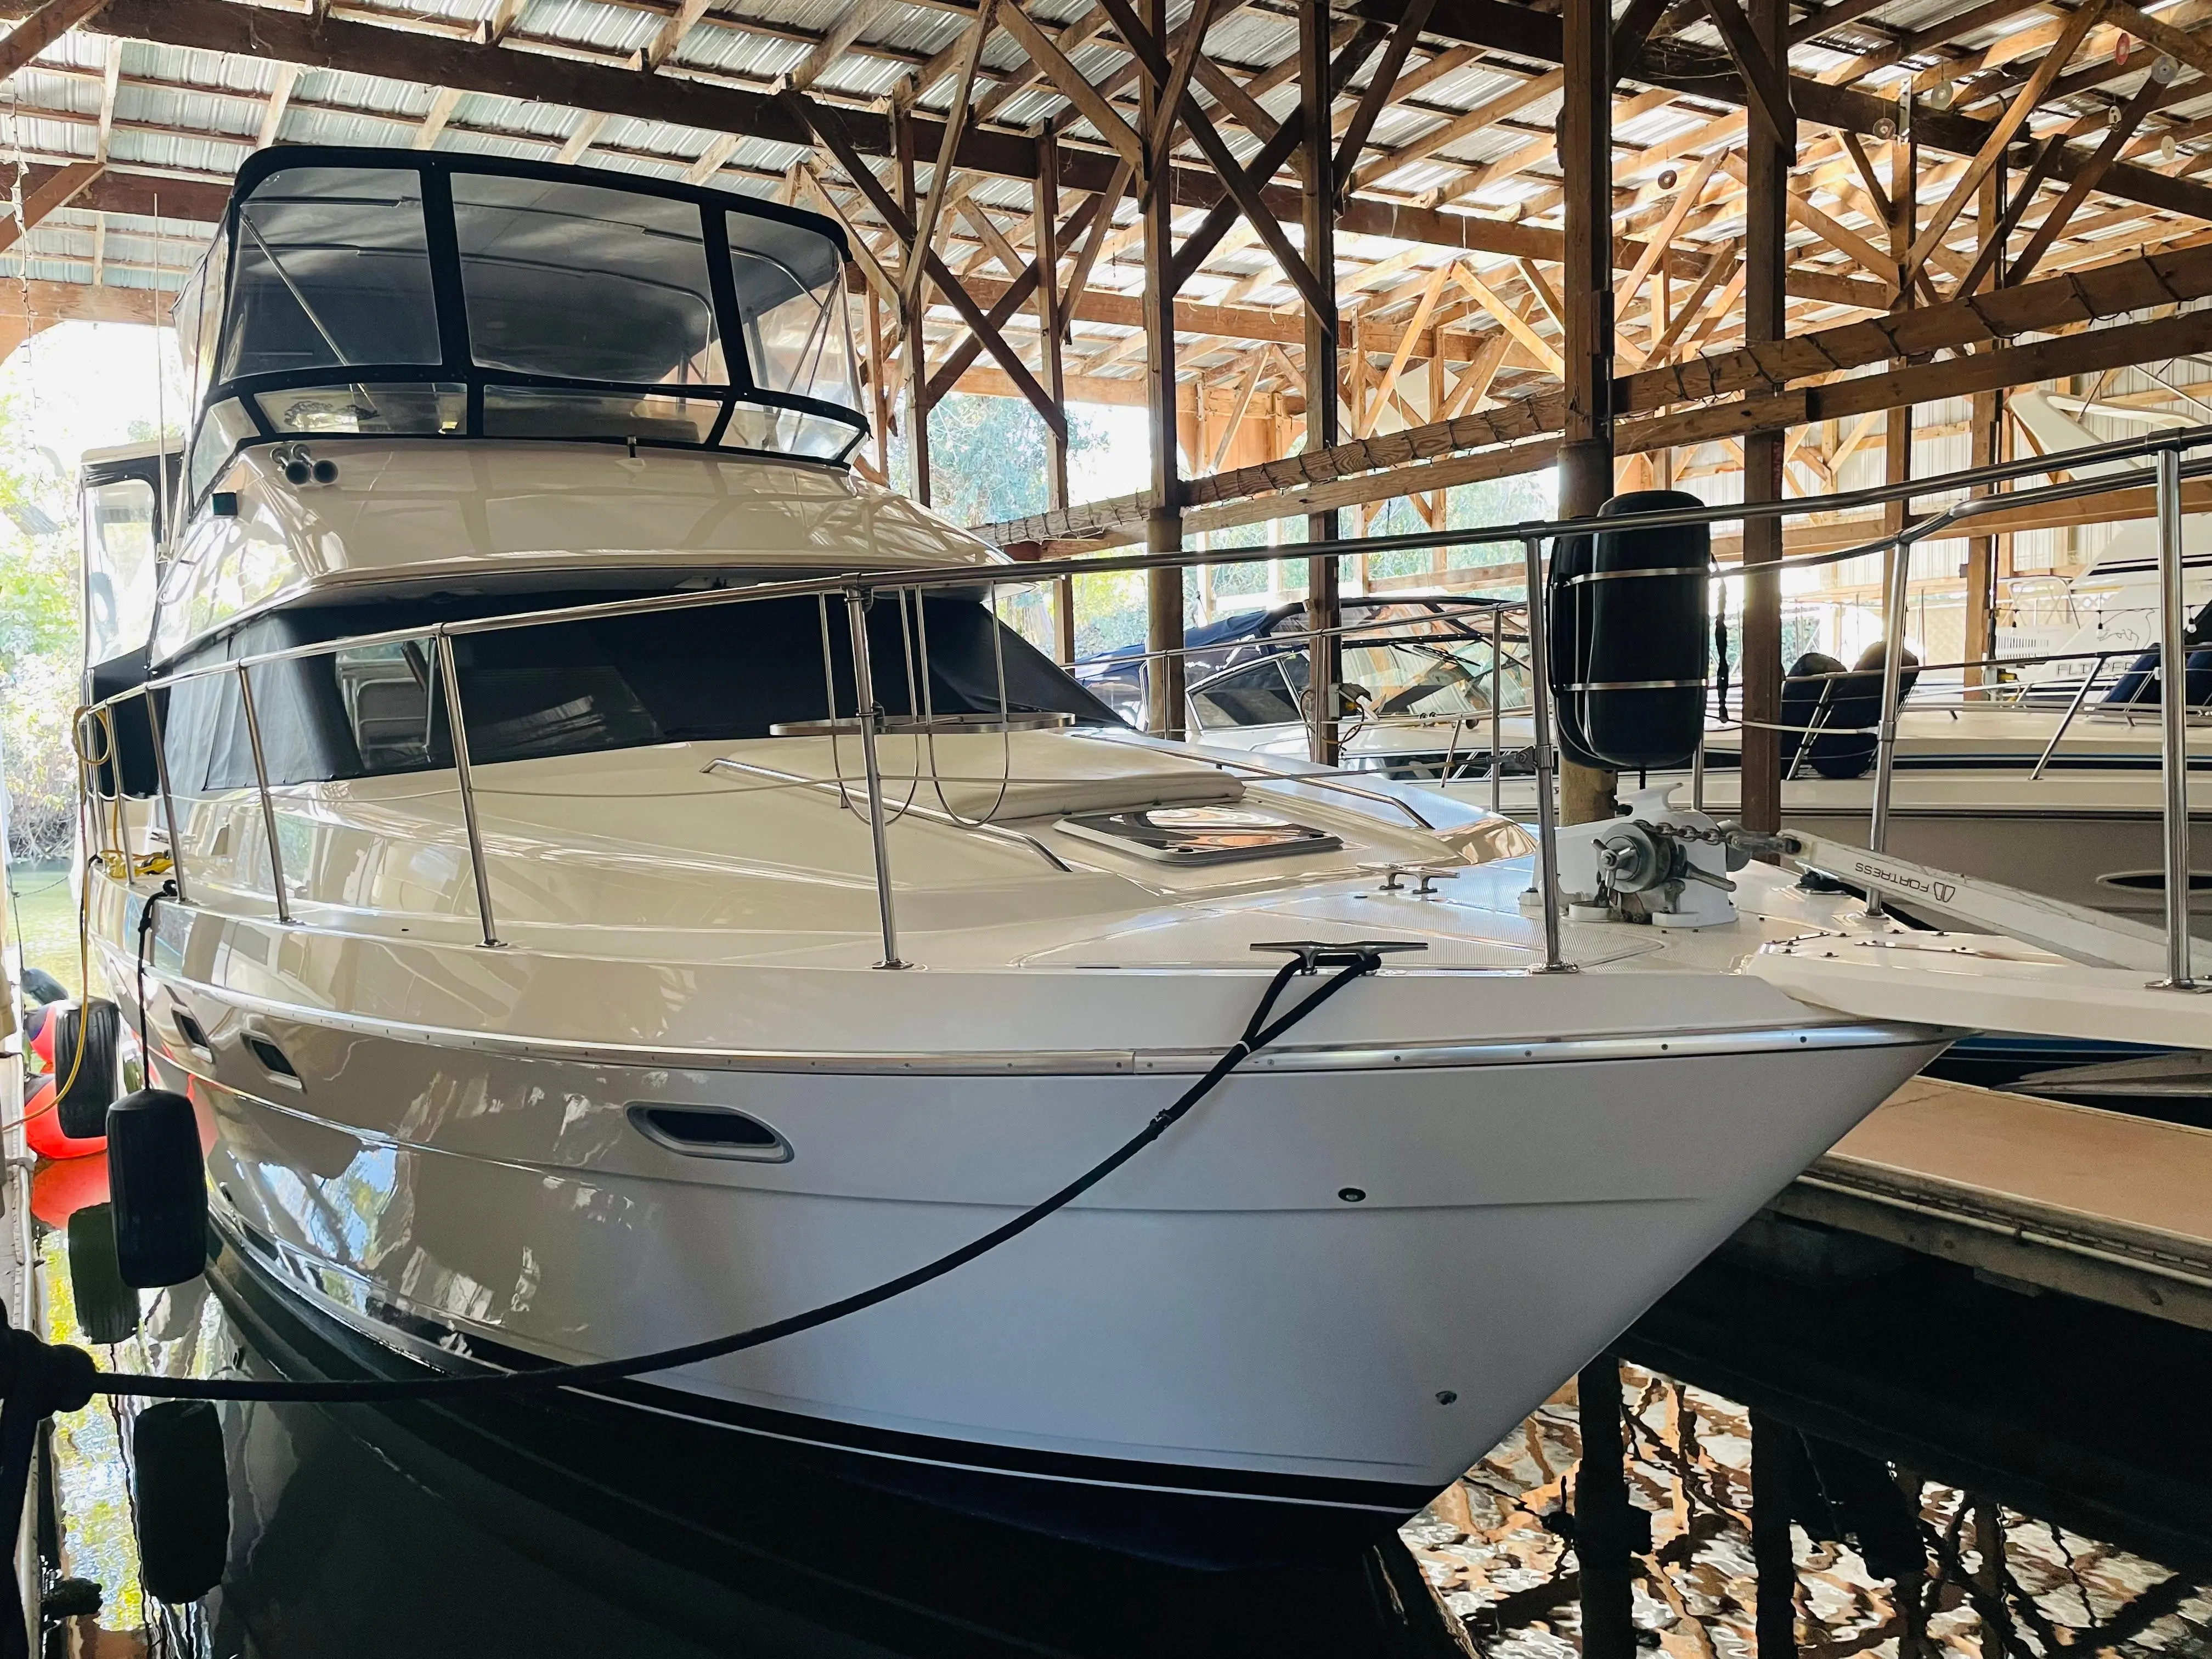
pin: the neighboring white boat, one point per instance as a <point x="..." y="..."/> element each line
<point x="1973" y="792"/>
<point x="440" y="394"/>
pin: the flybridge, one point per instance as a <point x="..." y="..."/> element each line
<point x="368" y="292"/>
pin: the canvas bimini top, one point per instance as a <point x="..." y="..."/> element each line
<point x="377" y="293"/>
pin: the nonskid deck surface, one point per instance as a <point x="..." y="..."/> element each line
<point x="666" y="896"/>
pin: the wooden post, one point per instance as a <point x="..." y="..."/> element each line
<point x="1164" y="524"/>
<point x="1986" y="420"/>
<point x="1775" y="1451"/>
<point x="1586" y="794"/>
<point x="1602" y="1517"/>
<point x="1323" y="429"/>
<point x="879" y="392"/>
<point x="1767" y="180"/>
<point x="1044" y="223"/>
<point x="912" y="359"/>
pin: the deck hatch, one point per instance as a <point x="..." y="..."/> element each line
<point x="1201" y="835"/>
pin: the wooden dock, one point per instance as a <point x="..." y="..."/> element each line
<point x="2036" y="1193"/>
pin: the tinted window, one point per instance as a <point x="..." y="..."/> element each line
<point x="717" y="673"/>
<point x="332" y="270"/>
<point x="587" y="284"/>
<point x="1256" y="695"/>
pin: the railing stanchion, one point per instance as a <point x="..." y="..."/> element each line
<point x="2088" y="678"/>
<point x="1892" y="674"/>
<point x="864" y="690"/>
<point x="1497" y="710"/>
<point x="168" y="801"/>
<point x="1539" y="716"/>
<point x="449" y="681"/>
<point x="2174" y="721"/>
<point x="261" y="786"/>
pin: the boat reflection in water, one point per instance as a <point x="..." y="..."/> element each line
<point x="428" y="1531"/>
<point x="1966" y="1468"/>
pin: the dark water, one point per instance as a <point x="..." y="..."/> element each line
<point x="1966" y="1470"/>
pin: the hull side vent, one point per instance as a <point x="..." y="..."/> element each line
<point x="272" y="1060"/>
<point x="710" y="1131"/>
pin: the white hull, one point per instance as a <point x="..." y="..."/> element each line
<point x="1217" y="1319"/>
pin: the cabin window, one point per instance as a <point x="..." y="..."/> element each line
<point x="118" y="567"/>
<point x="786" y="432"/>
<point x="585" y="283"/>
<point x="385" y="690"/>
<point x="222" y="428"/>
<point x="333" y="272"/>
<point x="1256" y="695"/>
<point x="525" y="411"/>
<point x="790" y="295"/>
<point x="417" y="408"/>
<point x="714" y="674"/>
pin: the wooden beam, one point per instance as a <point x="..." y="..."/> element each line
<point x="834" y="41"/>
<point x="111" y="83"/>
<point x="1381" y="88"/>
<point x="1768" y="85"/>
<point x="60" y="188"/>
<point x="580" y="138"/>
<point x="1723" y="259"/>
<point x="2078" y="24"/>
<point x="1661" y="240"/>
<point x="1998" y="315"/>
<point x="830" y="128"/>
<point x="662" y="47"/>
<point x="40" y="30"/>
<point x="1068" y="81"/>
<point x="1321" y="214"/>
<point x="940" y="178"/>
<point x="1206" y="236"/>
<point x="1079" y="32"/>
<point x="280" y="100"/>
<point x="1257" y="213"/>
<point x="2127" y="120"/>
<point x="1422" y="310"/>
<point x="1079" y="280"/>
<point x="1005" y="299"/>
<point x="443" y="103"/>
<point x="1510" y="320"/>
<point x="1534" y="36"/>
<point x="1771" y="150"/>
<point x="2088" y="352"/>
<point x="1160" y="139"/>
<point x="720" y="148"/>
<point x="1163" y="608"/>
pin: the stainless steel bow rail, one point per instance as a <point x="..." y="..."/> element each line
<point x="857" y="591"/>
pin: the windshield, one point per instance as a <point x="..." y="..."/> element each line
<point x="1430" y="680"/>
<point x="470" y="296"/>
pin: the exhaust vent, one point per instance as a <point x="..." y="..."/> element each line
<point x="189" y="1030"/>
<point x="710" y="1131"/>
<point x="272" y="1060"/>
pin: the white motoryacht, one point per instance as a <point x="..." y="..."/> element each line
<point x="609" y="1022"/>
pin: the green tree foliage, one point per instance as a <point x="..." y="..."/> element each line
<point x="38" y="637"/>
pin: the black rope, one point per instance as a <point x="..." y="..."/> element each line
<point x="38" y="1378"/>
<point x="168" y="889"/>
<point x="1356" y="960"/>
